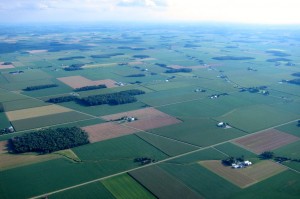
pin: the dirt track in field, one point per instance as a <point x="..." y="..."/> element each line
<point x="266" y="141"/>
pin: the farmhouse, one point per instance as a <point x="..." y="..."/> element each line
<point x="239" y="165"/>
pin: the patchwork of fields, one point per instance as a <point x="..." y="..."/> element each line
<point x="176" y="103"/>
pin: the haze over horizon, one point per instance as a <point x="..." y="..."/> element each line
<point x="232" y="11"/>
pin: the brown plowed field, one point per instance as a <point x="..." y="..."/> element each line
<point x="140" y="114"/>
<point x="153" y="123"/>
<point x="79" y="81"/>
<point x="107" y="131"/>
<point x="246" y="176"/>
<point x="147" y="118"/>
<point x="266" y="141"/>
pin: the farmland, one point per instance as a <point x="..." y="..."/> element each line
<point x="162" y="107"/>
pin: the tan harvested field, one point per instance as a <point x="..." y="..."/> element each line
<point x="9" y="161"/>
<point x="244" y="177"/>
<point x="37" y="51"/>
<point x="266" y="140"/>
<point x="140" y="114"/>
<point x="6" y="66"/>
<point x="79" y="81"/>
<point x="153" y="123"/>
<point x="107" y="131"/>
<point x="36" y="112"/>
<point x="147" y="118"/>
<point x="3" y="147"/>
<point x="135" y="63"/>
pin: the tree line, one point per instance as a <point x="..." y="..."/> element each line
<point x="180" y="70"/>
<point x="122" y="97"/>
<point x="48" y="140"/>
<point x="39" y="87"/>
<point x="87" y="88"/>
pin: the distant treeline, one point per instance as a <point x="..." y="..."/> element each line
<point x="74" y="67"/>
<point x="180" y="70"/>
<point x="232" y="58"/>
<point x="87" y="88"/>
<point x="191" y="46"/>
<point x="141" y="56"/>
<point x="294" y="81"/>
<point x="70" y="58"/>
<point x="122" y="97"/>
<point x="6" y="63"/>
<point x="136" y="75"/>
<point x="278" y="59"/>
<point x="48" y="140"/>
<point x="39" y="87"/>
<point x="62" y="99"/>
<point x="278" y="53"/>
<point x="296" y="74"/>
<point x="1" y="108"/>
<point x="162" y="65"/>
<point x="106" y="55"/>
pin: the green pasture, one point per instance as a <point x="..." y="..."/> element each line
<point x="263" y="116"/>
<point x="197" y="131"/>
<point x="291" y="128"/>
<point x="22" y="104"/>
<point x="168" y="146"/>
<point x="125" y="148"/>
<point x="48" y="120"/>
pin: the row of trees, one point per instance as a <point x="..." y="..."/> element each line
<point x="231" y="160"/>
<point x="48" y="140"/>
<point x="109" y="55"/>
<point x="62" y="99"/>
<point x="122" y="97"/>
<point x="87" y="88"/>
<point x="136" y="75"/>
<point x="70" y="58"/>
<point x="39" y="87"/>
<point x="74" y="67"/>
<point x="180" y="70"/>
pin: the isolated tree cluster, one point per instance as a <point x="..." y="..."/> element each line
<point x="48" y="140"/>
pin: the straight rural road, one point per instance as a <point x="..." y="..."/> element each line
<point x="162" y="161"/>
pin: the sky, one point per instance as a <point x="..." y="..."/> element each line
<point x="233" y="11"/>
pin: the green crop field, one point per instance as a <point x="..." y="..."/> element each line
<point x="124" y="186"/>
<point x="94" y="191"/>
<point x="168" y="186"/>
<point x="198" y="131"/>
<point x="194" y="176"/>
<point x="48" y="120"/>
<point x="168" y="146"/>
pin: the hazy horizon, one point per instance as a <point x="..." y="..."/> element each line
<point x="273" y="12"/>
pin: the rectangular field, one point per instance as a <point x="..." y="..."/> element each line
<point x="49" y="120"/>
<point x="147" y="118"/>
<point x="168" y="186"/>
<point x="79" y="81"/>
<point x="104" y="131"/>
<point x="36" y="112"/>
<point x="124" y="186"/>
<point x="266" y="140"/>
<point x="247" y="176"/>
